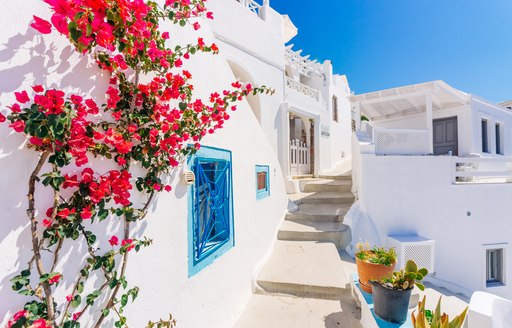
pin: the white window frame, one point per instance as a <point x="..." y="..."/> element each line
<point x="503" y="282"/>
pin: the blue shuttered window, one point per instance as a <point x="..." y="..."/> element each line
<point x="211" y="230"/>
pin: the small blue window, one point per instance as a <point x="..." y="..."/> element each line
<point x="211" y="230"/>
<point x="262" y="181"/>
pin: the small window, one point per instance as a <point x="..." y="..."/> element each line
<point x="335" y="108"/>
<point x="494" y="267"/>
<point x="499" y="145"/>
<point x="262" y="181"/>
<point x="485" y="139"/>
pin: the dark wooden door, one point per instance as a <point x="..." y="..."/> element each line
<point x="445" y="136"/>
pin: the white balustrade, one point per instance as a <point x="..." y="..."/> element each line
<point x="300" y="157"/>
<point x="306" y="91"/>
<point x="251" y="5"/>
<point x="400" y="142"/>
<point x="482" y="170"/>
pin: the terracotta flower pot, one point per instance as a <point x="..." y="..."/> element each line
<point x="371" y="271"/>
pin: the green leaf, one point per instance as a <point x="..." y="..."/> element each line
<point x="74" y="33"/>
<point x="76" y="301"/>
<point x="124" y="300"/>
<point x="171" y="15"/>
<point x="105" y="312"/>
<point x="88" y="30"/>
<point x="80" y="287"/>
<point x="420" y="286"/>
<point x="182" y="106"/>
<point x="183" y="22"/>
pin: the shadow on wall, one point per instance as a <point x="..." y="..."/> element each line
<point x="30" y="59"/>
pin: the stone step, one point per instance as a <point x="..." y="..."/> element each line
<point x="327" y="185"/>
<point x="340" y="198"/>
<point x="271" y="311"/>
<point x="304" y="269"/>
<point x="335" y="232"/>
<point x="322" y="212"/>
<point x="345" y="176"/>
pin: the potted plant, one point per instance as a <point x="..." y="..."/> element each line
<point x="427" y="319"/>
<point x="374" y="263"/>
<point x="391" y="295"/>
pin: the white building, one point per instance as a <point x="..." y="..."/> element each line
<point x="205" y="290"/>
<point x="434" y="162"/>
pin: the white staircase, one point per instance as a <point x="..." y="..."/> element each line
<point x="304" y="283"/>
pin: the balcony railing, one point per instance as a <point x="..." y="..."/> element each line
<point x="400" y="142"/>
<point x="468" y="170"/>
<point x="306" y="91"/>
<point x="252" y="6"/>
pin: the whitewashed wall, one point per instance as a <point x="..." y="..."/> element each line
<point x="216" y="296"/>
<point x="465" y="125"/>
<point x="415" y="195"/>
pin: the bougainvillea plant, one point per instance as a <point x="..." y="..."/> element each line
<point x="151" y="126"/>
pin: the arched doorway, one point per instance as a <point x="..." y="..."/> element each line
<point x="242" y="75"/>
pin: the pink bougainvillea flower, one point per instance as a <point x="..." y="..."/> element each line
<point x="168" y="188"/>
<point x="128" y="243"/>
<point x="69" y="298"/>
<point x="15" y="108"/>
<point x="43" y="26"/>
<point x="86" y="213"/>
<point x="55" y="279"/>
<point x="22" y="97"/>
<point x="18" y="126"/>
<point x="38" y="88"/>
<point x="47" y="223"/>
<point x="157" y="186"/>
<point x="76" y="315"/>
<point x="209" y="15"/>
<point x="19" y="314"/>
<point x="196" y="26"/>
<point x="165" y="35"/>
<point x="61" y="23"/>
<point x="39" y="323"/>
<point x="2" y="118"/>
<point x="114" y="241"/>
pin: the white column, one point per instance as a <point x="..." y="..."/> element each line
<point x="429" y="117"/>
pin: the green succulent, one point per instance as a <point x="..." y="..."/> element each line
<point x="406" y="278"/>
<point x="436" y="320"/>
<point x="377" y="255"/>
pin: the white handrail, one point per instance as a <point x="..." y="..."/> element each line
<point x="251" y="5"/>
<point x="306" y="67"/>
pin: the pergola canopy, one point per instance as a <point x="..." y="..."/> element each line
<point x="409" y="100"/>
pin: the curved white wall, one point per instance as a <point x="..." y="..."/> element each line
<point x="214" y="297"/>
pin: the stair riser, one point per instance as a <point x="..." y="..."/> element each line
<point x="305" y="291"/>
<point x="316" y="187"/>
<point x="336" y="177"/>
<point x="340" y="201"/>
<point x="330" y="236"/>
<point x="315" y="218"/>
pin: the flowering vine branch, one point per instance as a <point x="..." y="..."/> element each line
<point x="151" y="125"/>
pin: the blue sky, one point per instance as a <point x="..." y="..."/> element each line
<point x="382" y="44"/>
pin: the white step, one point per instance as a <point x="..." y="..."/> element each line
<point x="304" y="269"/>
<point x="340" y="198"/>
<point x="334" y="232"/>
<point x="327" y="185"/>
<point x="323" y="212"/>
<point x="345" y="176"/>
<point x="269" y="311"/>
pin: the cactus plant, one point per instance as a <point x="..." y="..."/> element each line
<point x="406" y="278"/>
<point x="425" y="319"/>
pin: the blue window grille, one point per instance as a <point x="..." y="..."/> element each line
<point x="262" y="181"/>
<point x="211" y="230"/>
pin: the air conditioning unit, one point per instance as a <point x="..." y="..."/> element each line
<point x="413" y="247"/>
